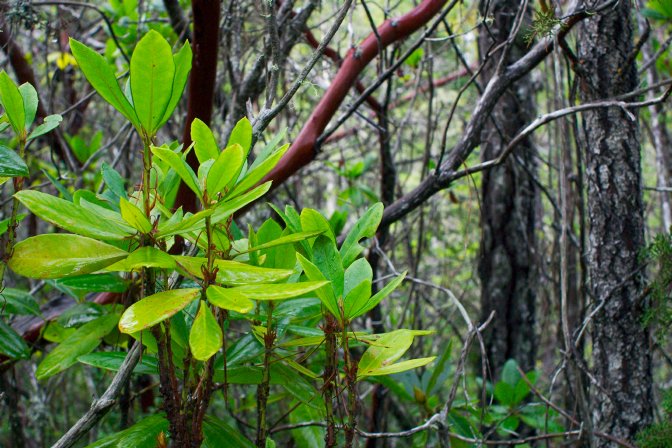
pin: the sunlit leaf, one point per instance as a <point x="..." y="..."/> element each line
<point x="205" y="337"/>
<point x="61" y="255"/>
<point x="84" y="340"/>
<point x="155" y="308"/>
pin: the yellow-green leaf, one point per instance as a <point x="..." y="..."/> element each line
<point x="233" y="273"/>
<point x="144" y="257"/>
<point x="225" y="170"/>
<point x="397" y="367"/>
<point x="61" y="255"/>
<point x="205" y="337"/>
<point x="155" y="308"/>
<point x="12" y="101"/>
<point x="152" y="72"/>
<point x="72" y="217"/>
<point x="134" y="216"/>
<point x="228" y="299"/>
<point x="205" y="144"/>
<point x="79" y="343"/>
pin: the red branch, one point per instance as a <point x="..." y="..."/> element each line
<point x="206" y="15"/>
<point x="302" y="150"/>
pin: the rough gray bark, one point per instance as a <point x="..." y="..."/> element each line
<point x="622" y="400"/>
<point x="508" y="280"/>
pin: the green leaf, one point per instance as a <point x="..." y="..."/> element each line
<point x="50" y="123"/>
<point x="4" y="224"/>
<point x="134" y="216"/>
<point x="11" y="165"/>
<point x="143" y="434"/>
<point x="101" y="76"/>
<point x="71" y="217"/>
<point x="325" y="293"/>
<point x="16" y="301"/>
<point x="217" y="434"/>
<point x="180" y="167"/>
<point x="277" y="291"/>
<point x="205" y="144"/>
<point x="81" y="342"/>
<point x="510" y="373"/>
<point x="312" y="220"/>
<point x="144" y="257"/>
<point x="355" y="299"/>
<point x="232" y="273"/>
<point x="182" y="61"/>
<point x="12" y="101"/>
<point x="112" y="361"/>
<point x="186" y="224"/>
<point x="328" y="261"/>
<point x="287" y="239"/>
<point x="254" y="176"/>
<point x="30" y="100"/>
<point x="380" y="295"/>
<point x="61" y="255"/>
<point x="152" y="72"/>
<point x="205" y="337"/>
<point x="504" y="393"/>
<point x="113" y="181"/>
<point x="398" y="367"/>
<point x="83" y="284"/>
<point x="155" y="308"/>
<point x="242" y="135"/>
<point x="365" y="227"/>
<point x="229" y="207"/>
<point x="356" y="273"/>
<point x="388" y="348"/>
<point x="522" y="389"/>
<point x="228" y="299"/>
<point x="11" y="344"/>
<point x="225" y="170"/>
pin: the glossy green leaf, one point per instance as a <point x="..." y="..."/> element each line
<point x="180" y="167"/>
<point x="225" y="170"/>
<point x="356" y="298"/>
<point x="205" y="337"/>
<point x="277" y="291"/>
<point x="50" y="123"/>
<point x="242" y="135"/>
<point x="313" y="221"/>
<point x="356" y="273"/>
<point x="61" y="255"/>
<point x="205" y="144"/>
<point x="12" y="101"/>
<point x="144" y="257"/>
<point x="16" y="301"/>
<point x="325" y="293"/>
<point x="134" y="216"/>
<point x="182" y="62"/>
<point x="113" y="181"/>
<point x="189" y="223"/>
<point x="287" y="239"/>
<point x="328" y="261"/>
<point x="84" y="340"/>
<point x="101" y="76"/>
<point x="365" y="227"/>
<point x="233" y="273"/>
<point x="83" y="284"/>
<point x="112" y="361"/>
<point x="398" y="367"/>
<point x="11" y="165"/>
<point x="253" y="177"/>
<point x="152" y="72"/>
<point x="369" y="304"/>
<point x="30" y="101"/>
<point x="11" y="344"/>
<point x="71" y="217"/>
<point x="228" y="299"/>
<point x="155" y="308"/>
<point x="229" y="207"/>
<point x="143" y="434"/>
<point x="388" y="348"/>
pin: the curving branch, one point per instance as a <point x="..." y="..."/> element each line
<point x="303" y="150"/>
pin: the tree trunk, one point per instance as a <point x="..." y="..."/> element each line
<point x="622" y="399"/>
<point x="508" y="280"/>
